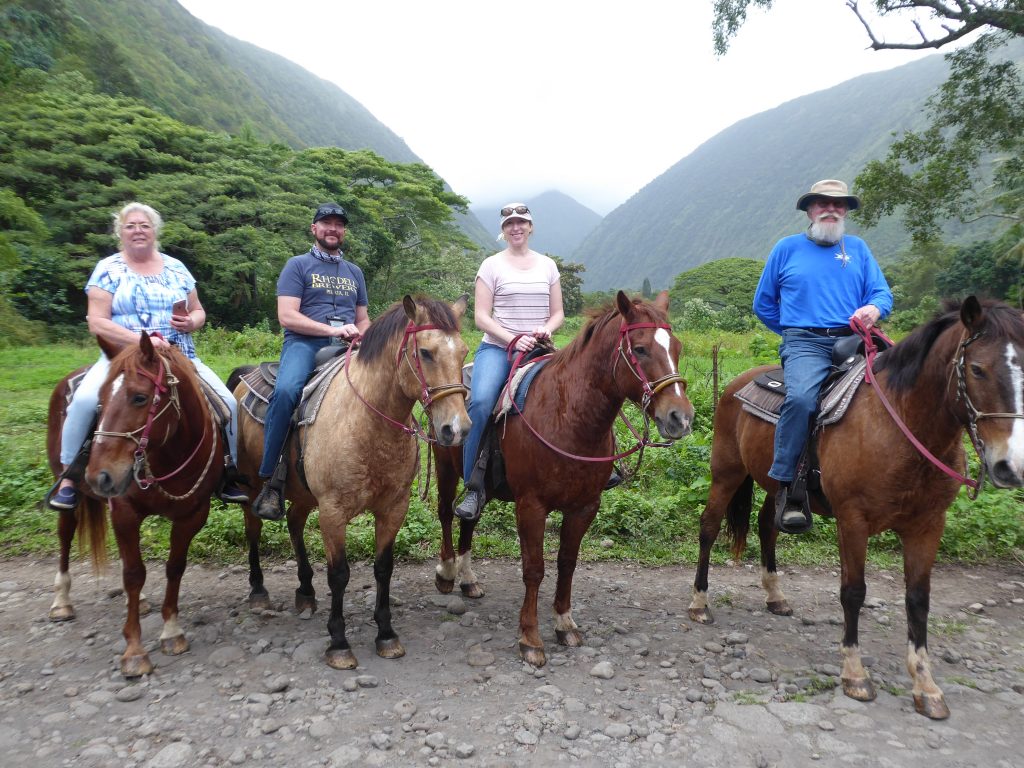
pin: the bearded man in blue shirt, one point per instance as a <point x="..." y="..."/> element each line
<point x="814" y="283"/>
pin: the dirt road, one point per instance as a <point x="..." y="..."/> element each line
<point x="649" y="687"/>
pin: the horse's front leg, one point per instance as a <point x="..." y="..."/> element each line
<point x="530" y="517"/>
<point x="305" y="593"/>
<point x="172" y="638"/>
<point x="61" y="609"/>
<point x="453" y="566"/>
<point x="574" y="527"/>
<point x="332" y="527"/>
<point x="386" y="528"/>
<point x="856" y="682"/>
<point x="710" y="526"/>
<point x="774" y="598"/>
<point x="918" y="558"/>
<point x="125" y="522"/>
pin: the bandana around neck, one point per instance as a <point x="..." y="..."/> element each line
<point x="330" y="258"/>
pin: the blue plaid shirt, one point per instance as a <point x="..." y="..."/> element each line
<point x="143" y="302"/>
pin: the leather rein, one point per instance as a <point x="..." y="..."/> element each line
<point x="624" y="351"/>
<point x="973" y="414"/>
<point x="428" y="395"/>
<point x="164" y="383"/>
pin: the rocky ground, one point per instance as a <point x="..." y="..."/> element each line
<point x="648" y="688"/>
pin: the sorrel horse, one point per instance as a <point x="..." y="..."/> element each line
<point x="360" y="454"/>
<point x="156" y="451"/>
<point x="964" y="370"/>
<point x="558" y="451"/>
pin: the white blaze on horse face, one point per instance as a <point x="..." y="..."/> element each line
<point x="450" y="342"/>
<point x="118" y="382"/>
<point x="1016" y="441"/>
<point x="664" y="339"/>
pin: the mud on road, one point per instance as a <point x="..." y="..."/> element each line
<point x="648" y="688"/>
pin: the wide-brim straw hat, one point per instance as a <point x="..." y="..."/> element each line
<point x="832" y="188"/>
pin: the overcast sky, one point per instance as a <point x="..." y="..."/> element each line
<point x="594" y="98"/>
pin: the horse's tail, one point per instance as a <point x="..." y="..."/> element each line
<point x="737" y="517"/>
<point x="92" y="531"/>
<point x="236" y="376"/>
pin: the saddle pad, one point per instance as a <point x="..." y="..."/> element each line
<point x="219" y="408"/>
<point x="260" y="389"/>
<point x="766" y="403"/>
<point x="73" y="384"/>
<point x="515" y="392"/>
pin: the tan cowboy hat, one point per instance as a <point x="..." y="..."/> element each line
<point x="828" y="188"/>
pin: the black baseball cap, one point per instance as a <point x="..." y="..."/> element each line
<point x="330" y="209"/>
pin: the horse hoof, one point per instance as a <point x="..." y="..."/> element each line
<point x="569" y="637"/>
<point x="931" y="705"/>
<point x="444" y="586"/>
<point x="533" y="656"/>
<point x="341" y="658"/>
<point x="304" y="602"/>
<point x="173" y="646"/>
<point x="861" y="690"/>
<point x="62" y="613"/>
<point x="136" y="666"/>
<point x="259" y="601"/>
<point x="779" y="608"/>
<point x="390" y="649"/>
<point x="471" y="590"/>
<point x="701" y="615"/>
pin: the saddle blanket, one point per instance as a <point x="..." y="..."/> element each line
<point x="764" y="400"/>
<point x="260" y="383"/>
<point x="515" y="393"/>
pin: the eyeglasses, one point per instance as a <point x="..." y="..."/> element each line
<point x="520" y="209"/>
<point x="137" y="227"/>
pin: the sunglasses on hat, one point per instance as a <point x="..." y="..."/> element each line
<point x="520" y="209"/>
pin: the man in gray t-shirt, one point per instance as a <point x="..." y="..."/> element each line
<point x="320" y="297"/>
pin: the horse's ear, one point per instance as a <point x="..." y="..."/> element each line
<point x="661" y="301"/>
<point x="459" y="307"/>
<point x="410" y="307"/>
<point x="970" y="312"/>
<point x="110" y="349"/>
<point x="624" y="304"/>
<point x="146" y="347"/>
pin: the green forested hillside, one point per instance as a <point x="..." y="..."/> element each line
<point x="735" y="195"/>
<point x="157" y="52"/>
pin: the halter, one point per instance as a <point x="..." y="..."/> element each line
<point x="650" y="389"/>
<point x="163" y="382"/>
<point x="428" y="395"/>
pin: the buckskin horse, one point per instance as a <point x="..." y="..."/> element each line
<point x="358" y="455"/>
<point x="961" y="371"/>
<point x="625" y="351"/>
<point x="156" y="451"/>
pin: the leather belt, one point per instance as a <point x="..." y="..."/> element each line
<point x="832" y="332"/>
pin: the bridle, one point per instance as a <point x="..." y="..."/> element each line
<point x="428" y="394"/>
<point x="959" y="365"/>
<point x="623" y="350"/>
<point x="164" y="383"/>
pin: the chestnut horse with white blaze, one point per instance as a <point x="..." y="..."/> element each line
<point x="360" y="454"/>
<point x="558" y="451"/>
<point x="964" y="370"/>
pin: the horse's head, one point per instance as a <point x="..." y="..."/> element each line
<point x="989" y="372"/>
<point x="430" y="365"/>
<point x="140" y="411"/>
<point x="646" y="364"/>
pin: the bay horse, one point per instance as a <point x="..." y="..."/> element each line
<point x="156" y="451"/>
<point x="358" y="455"/>
<point x="960" y="371"/>
<point x="626" y="351"/>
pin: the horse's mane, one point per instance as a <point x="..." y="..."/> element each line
<point x="597" y="319"/>
<point x="905" y="360"/>
<point x="377" y="337"/>
<point x="129" y="360"/>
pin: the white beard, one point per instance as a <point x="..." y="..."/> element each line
<point x="828" y="232"/>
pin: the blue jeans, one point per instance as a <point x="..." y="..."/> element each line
<point x="296" y="364"/>
<point x="806" y="360"/>
<point x="491" y="367"/>
<point x="87" y="397"/>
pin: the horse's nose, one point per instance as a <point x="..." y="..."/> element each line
<point x="675" y="425"/>
<point x="103" y="484"/>
<point x="1004" y="475"/>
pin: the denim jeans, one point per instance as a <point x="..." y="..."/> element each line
<point x="87" y="398"/>
<point x="806" y="360"/>
<point x="491" y="367"/>
<point x="296" y="364"/>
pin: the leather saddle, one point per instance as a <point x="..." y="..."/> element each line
<point x="260" y="381"/>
